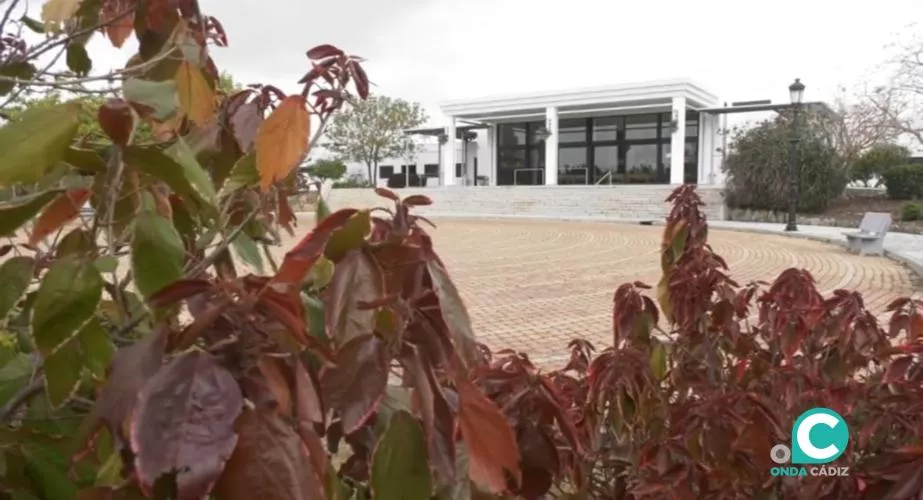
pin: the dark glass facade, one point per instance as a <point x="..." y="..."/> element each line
<point x="632" y="149"/>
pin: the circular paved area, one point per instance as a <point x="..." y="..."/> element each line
<point x="535" y="285"/>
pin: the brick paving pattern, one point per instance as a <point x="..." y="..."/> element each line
<point x="534" y="285"/>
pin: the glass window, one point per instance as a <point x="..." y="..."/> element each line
<point x="511" y="134"/>
<point x="692" y="128"/>
<point x="606" y="129"/>
<point x="385" y="171"/>
<point x="431" y="170"/>
<point x="572" y="168"/>
<point x="572" y="130"/>
<point x="606" y="161"/>
<point x="691" y="167"/>
<point x="641" y="163"/>
<point x="508" y="162"/>
<point x="534" y="127"/>
<point x="641" y="127"/>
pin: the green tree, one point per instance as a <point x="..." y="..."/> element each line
<point x="372" y="130"/>
<point x="757" y="166"/>
<point x="326" y="169"/>
<point x="870" y="167"/>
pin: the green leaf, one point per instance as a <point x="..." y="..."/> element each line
<point x="86" y="160"/>
<point x="400" y="469"/>
<point x="21" y="70"/>
<point x="16" y="212"/>
<point x="14" y="375"/>
<point x="197" y="176"/>
<point x="32" y="24"/>
<point x="321" y="273"/>
<point x="67" y="299"/>
<point x="314" y="309"/>
<point x="78" y="60"/>
<point x="185" y="177"/>
<point x="244" y="174"/>
<point x="157" y="253"/>
<point x="659" y="360"/>
<point x="97" y="348"/>
<point x="249" y="252"/>
<point x="48" y="478"/>
<point x="160" y="97"/>
<point x="36" y="142"/>
<point x="76" y="242"/>
<point x="15" y="276"/>
<point x="349" y="237"/>
<point x="106" y="264"/>
<point x="62" y="374"/>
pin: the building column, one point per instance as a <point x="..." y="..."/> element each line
<point x="551" y="146"/>
<point x="449" y="151"/>
<point x="678" y="142"/>
<point x="488" y="156"/>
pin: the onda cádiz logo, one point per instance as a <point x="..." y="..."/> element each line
<point x="819" y="437"/>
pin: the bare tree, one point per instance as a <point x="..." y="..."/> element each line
<point x="856" y="123"/>
<point x="900" y="99"/>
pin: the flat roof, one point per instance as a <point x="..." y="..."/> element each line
<point x="574" y="98"/>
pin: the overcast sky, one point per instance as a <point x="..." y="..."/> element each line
<point x="433" y="50"/>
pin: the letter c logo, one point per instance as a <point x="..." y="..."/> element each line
<point x="819" y="436"/>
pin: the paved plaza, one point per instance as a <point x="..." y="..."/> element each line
<point x="533" y="285"/>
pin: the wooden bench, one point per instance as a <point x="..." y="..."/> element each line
<point x="870" y="238"/>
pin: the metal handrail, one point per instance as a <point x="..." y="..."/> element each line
<point x="517" y="170"/>
<point x="607" y="176"/>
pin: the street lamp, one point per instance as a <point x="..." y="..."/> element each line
<point x="796" y="93"/>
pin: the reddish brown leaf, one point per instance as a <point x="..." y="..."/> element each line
<point x="357" y="278"/>
<point x="308" y="405"/>
<point x="179" y="290"/>
<point x="270" y="462"/>
<point x="360" y="79"/>
<point x="64" y="208"/>
<point x="118" y="18"/>
<point x="273" y="371"/>
<point x="355" y="386"/>
<point x="197" y="328"/>
<point x="489" y="439"/>
<point x="117" y="120"/>
<point x="417" y="200"/>
<point x="324" y="51"/>
<point x="386" y="193"/>
<point x="131" y="368"/>
<point x="185" y="423"/>
<point x="282" y="140"/>
<point x="245" y="121"/>
<point x="287" y="218"/>
<point x="298" y="260"/>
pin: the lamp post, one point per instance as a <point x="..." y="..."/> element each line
<point x="796" y="93"/>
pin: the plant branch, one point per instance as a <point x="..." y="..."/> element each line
<point x="21" y="398"/>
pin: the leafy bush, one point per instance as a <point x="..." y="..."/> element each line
<point x="904" y="182"/>
<point x="911" y="211"/>
<point x="333" y="170"/>
<point x="353" y="181"/>
<point x="757" y="166"/>
<point x="873" y="163"/>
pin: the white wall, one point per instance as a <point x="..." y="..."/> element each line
<point x="428" y="153"/>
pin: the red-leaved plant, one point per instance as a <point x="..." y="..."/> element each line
<point x="688" y="406"/>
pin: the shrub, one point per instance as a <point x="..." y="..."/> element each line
<point x="353" y="181"/>
<point x="758" y="167"/>
<point x="911" y="211"/>
<point x="904" y="182"/>
<point x="691" y="397"/>
<point x="874" y="162"/>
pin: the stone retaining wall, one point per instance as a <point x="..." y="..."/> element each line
<point x="623" y="202"/>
